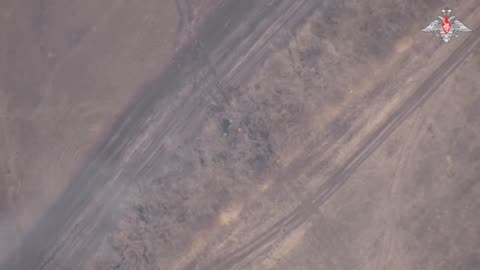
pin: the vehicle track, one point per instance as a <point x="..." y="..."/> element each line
<point x="262" y="243"/>
<point x="72" y="228"/>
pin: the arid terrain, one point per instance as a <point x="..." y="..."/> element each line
<point x="227" y="134"/>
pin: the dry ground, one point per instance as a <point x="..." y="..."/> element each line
<point x="65" y="77"/>
<point x="238" y="135"/>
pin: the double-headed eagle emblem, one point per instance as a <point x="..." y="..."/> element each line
<point x="446" y="27"/>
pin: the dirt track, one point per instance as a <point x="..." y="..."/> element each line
<point x="263" y="242"/>
<point x="58" y="239"/>
<point x="176" y="107"/>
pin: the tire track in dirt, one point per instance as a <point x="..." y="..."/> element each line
<point x="262" y="244"/>
<point x="71" y="229"/>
